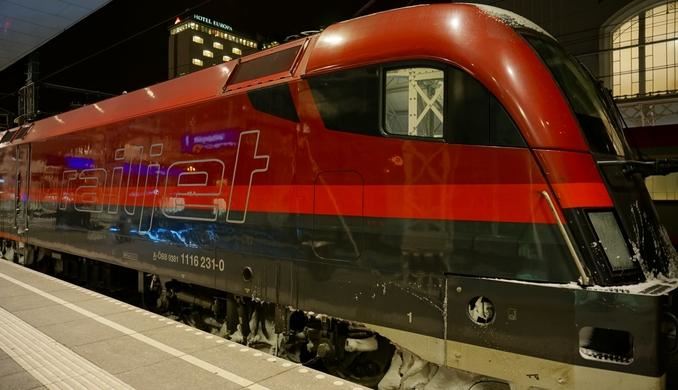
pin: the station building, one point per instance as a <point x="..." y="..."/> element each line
<point x="632" y="47"/>
<point x="198" y="42"/>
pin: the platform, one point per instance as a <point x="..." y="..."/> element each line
<point x="57" y="335"/>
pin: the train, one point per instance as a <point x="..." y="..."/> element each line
<point x="444" y="179"/>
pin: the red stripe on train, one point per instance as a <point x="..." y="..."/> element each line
<point x="575" y="179"/>
<point x="464" y="202"/>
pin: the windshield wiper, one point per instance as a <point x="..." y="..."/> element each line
<point x="608" y="99"/>
<point x="645" y="168"/>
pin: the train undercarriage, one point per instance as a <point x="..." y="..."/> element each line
<point x="341" y="348"/>
<point x="345" y="349"/>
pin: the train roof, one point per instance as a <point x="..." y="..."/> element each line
<point x="479" y="39"/>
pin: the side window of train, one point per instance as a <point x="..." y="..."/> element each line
<point x="275" y="100"/>
<point x="414" y="100"/>
<point x="475" y="117"/>
<point x="348" y="100"/>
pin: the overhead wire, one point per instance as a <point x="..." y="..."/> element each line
<point x="109" y="47"/>
<point x="597" y="37"/>
<point x="358" y="13"/>
<point x="116" y="44"/>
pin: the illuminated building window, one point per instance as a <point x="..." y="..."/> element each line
<point x="237" y="51"/>
<point x="177" y="30"/>
<point x="197" y="61"/>
<point x="644" y="58"/>
<point x="198" y="39"/>
<point x="207" y="53"/>
<point x="227" y="58"/>
<point x="218" y="45"/>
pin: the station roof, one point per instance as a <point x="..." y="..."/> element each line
<point x="26" y="25"/>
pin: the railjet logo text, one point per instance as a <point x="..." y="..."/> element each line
<point x="196" y="190"/>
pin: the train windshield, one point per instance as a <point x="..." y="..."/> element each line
<point x="588" y="101"/>
<point x="601" y="124"/>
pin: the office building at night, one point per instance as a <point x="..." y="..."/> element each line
<point x="198" y="42"/>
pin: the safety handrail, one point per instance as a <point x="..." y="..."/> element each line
<point x="583" y="278"/>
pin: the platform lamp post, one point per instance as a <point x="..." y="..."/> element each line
<point x="28" y="96"/>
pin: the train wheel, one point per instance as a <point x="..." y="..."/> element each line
<point x="3" y="249"/>
<point x="25" y="254"/>
<point x="19" y="255"/>
<point x="365" y="368"/>
<point x="10" y="251"/>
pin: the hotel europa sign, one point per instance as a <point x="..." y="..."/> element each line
<point x="211" y="22"/>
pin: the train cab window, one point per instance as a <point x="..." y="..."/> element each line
<point x="21" y="133"/>
<point x="347" y="100"/>
<point x="503" y="132"/>
<point x="414" y="101"/>
<point x="7" y="136"/>
<point x="586" y="98"/>
<point x="475" y="116"/>
<point x="275" y="100"/>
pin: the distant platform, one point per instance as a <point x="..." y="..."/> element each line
<point x="57" y="335"/>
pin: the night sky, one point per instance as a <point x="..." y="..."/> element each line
<point x="123" y="46"/>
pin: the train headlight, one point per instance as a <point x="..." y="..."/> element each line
<point x="611" y="238"/>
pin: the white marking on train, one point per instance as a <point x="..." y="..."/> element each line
<point x="192" y="182"/>
<point x="264" y="157"/>
<point x="86" y="194"/>
<point x="190" y="189"/>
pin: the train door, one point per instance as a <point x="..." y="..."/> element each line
<point x="23" y="160"/>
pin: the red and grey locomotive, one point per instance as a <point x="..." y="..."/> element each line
<point x="446" y="176"/>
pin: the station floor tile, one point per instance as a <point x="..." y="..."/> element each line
<point x="79" y="332"/>
<point x="174" y="374"/>
<point x="121" y="354"/>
